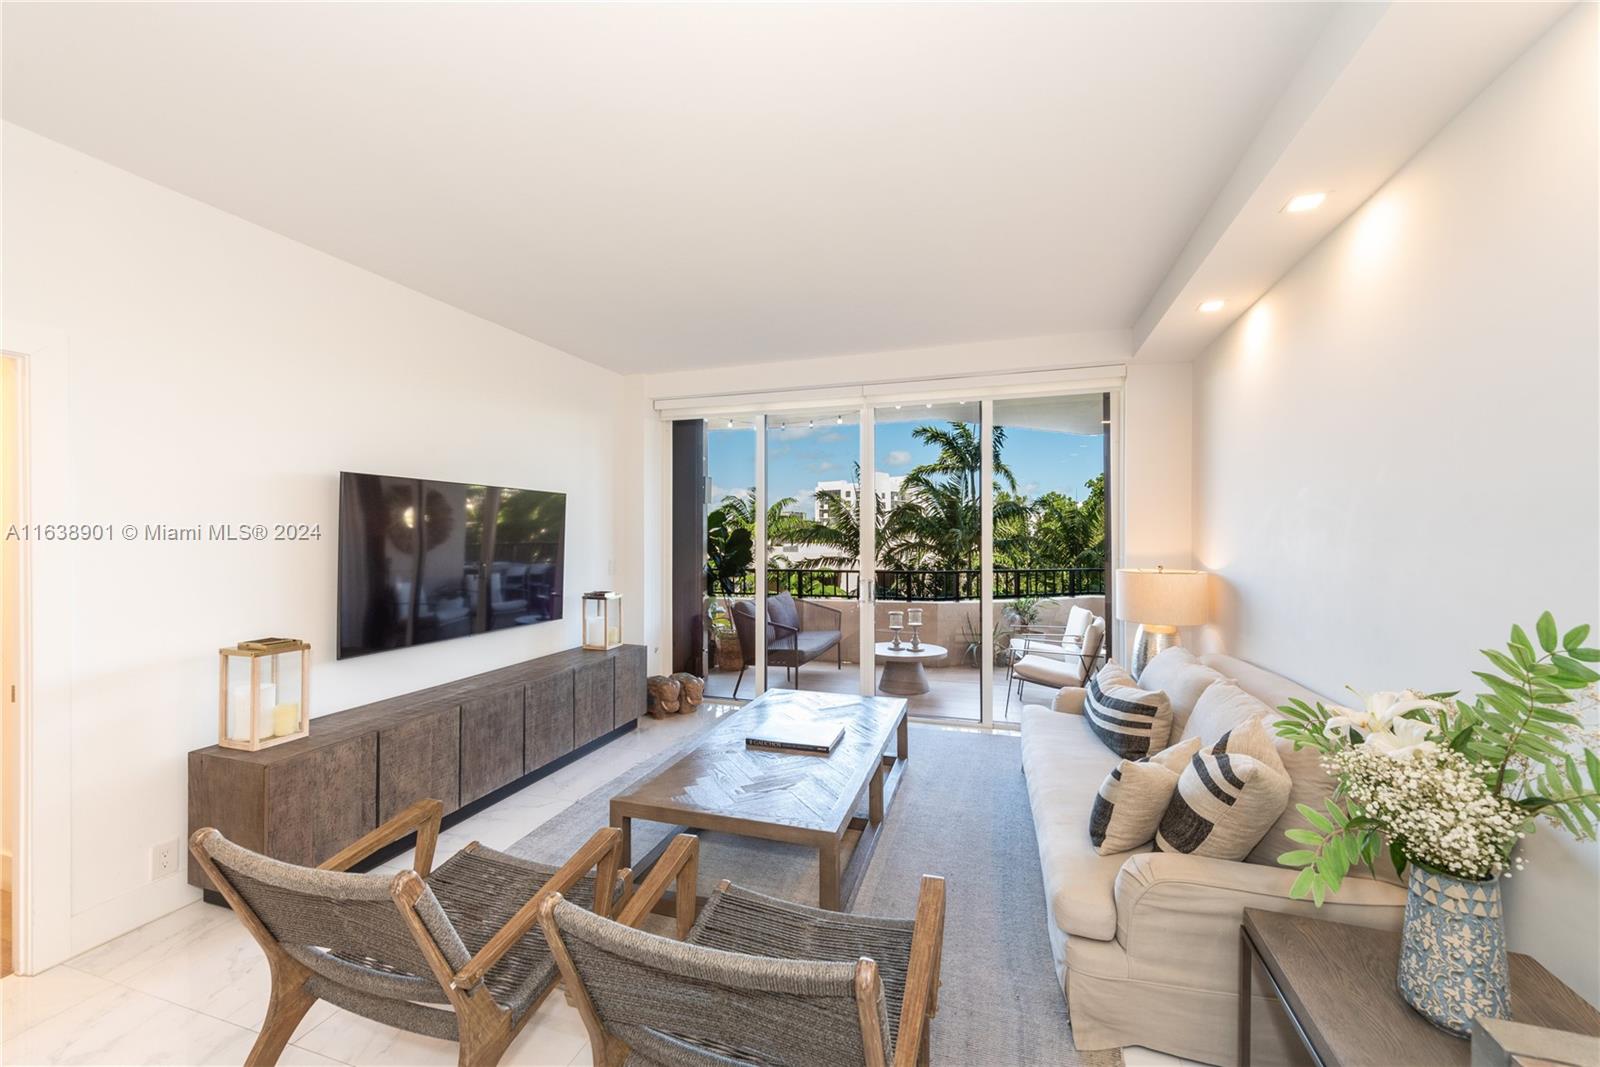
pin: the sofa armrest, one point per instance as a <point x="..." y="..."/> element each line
<point x="1069" y="700"/>
<point x="1178" y="916"/>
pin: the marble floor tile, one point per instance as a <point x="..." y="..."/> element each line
<point x="122" y="1026"/>
<point x="138" y="949"/>
<point x="26" y="1001"/>
<point x="191" y="987"/>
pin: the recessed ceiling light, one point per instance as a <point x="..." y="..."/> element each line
<point x="1304" y="202"/>
<point x="1209" y="306"/>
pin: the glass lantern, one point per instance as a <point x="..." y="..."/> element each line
<point x="602" y="620"/>
<point x="264" y="693"/>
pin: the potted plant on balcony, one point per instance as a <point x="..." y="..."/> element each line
<point x="1450" y="788"/>
<point x="1023" y="614"/>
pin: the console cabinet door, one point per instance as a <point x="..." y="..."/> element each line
<point x="322" y="800"/>
<point x="632" y="693"/>
<point x="491" y="741"/>
<point x="550" y="704"/>
<point x="419" y="758"/>
<point x="593" y="686"/>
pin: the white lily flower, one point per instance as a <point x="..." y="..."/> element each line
<point x="1386" y="706"/>
<point x="1344" y="719"/>
<point x="1402" y="738"/>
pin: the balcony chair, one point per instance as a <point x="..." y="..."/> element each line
<point x="751" y="980"/>
<point x="789" y="645"/>
<point x="1059" y="664"/>
<point x="1050" y="638"/>
<point x="387" y="946"/>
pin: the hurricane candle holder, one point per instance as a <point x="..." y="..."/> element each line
<point x="896" y="621"/>
<point x="914" y="620"/>
<point x="258" y="709"/>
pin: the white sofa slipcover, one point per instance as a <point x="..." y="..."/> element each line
<point x="1146" y="944"/>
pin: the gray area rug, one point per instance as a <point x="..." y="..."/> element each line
<point x="962" y="812"/>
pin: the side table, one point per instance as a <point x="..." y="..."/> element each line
<point x="1337" y="984"/>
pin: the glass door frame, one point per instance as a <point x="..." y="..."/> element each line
<point x="876" y="398"/>
<point x="986" y="390"/>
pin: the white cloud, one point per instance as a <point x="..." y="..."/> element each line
<point x="898" y="458"/>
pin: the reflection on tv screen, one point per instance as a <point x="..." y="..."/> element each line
<point x="424" y="561"/>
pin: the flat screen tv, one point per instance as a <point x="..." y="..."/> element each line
<point x="423" y="561"/>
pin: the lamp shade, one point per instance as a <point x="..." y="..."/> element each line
<point x="1161" y="597"/>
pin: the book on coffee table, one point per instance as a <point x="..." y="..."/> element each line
<point x="797" y="737"/>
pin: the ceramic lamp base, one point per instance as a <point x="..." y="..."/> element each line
<point x="1148" y="643"/>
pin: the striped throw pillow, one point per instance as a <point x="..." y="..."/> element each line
<point x="1132" y="722"/>
<point x="1133" y="797"/>
<point x="1228" y="796"/>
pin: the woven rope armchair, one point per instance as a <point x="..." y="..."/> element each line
<point x="752" y="979"/>
<point x="390" y="946"/>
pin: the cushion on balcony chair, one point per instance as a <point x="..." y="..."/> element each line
<point x="1078" y="620"/>
<point x="783" y="611"/>
<point x="1045" y="670"/>
<point x="794" y="649"/>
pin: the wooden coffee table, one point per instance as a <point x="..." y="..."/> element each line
<point x="795" y="798"/>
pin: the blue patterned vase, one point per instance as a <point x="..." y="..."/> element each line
<point x="1453" y="966"/>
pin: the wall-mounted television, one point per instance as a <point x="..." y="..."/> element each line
<point x="423" y="561"/>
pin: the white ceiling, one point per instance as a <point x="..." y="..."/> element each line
<point x="657" y="187"/>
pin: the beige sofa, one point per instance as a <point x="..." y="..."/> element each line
<point x="1146" y="944"/>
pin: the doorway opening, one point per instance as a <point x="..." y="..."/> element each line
<point x="10" y="651"/>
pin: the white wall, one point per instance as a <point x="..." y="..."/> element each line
<point x="221" y="373"/>
<point x="1395" y="451"/>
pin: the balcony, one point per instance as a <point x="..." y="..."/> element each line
<point x="950" y="611"/>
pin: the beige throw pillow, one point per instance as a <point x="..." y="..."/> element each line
<point x="1133" y="722"/>
<point x="1220" y="708"/>
<point x="1228" y="796"/>
<point x="1133" y="797"/>
<point x="1183" y="678"/>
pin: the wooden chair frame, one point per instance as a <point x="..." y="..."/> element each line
<point x="680" y="864"/>
<point x="484" y="1028"/>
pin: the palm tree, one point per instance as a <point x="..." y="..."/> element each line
<point x="960" y="456"/>
<point x="839" y="528"/>
<point x="784" y="527"/>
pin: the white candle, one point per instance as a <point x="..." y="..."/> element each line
<point x="595" y="631"/>
<point x="914" y="616"/>
<point x="285" y="719"/>
<point x="239" y="710"/>
<point x="895" y="619"/>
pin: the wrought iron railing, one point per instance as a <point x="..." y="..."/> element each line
<point x="1010" y="583"/>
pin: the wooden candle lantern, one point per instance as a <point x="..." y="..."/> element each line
<point x="602" y="620"/>
<point x="263" y="699"/>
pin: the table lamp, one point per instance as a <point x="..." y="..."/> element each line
<point x="1160" y="601"/>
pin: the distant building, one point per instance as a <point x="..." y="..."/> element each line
<point x="825" y="494"/>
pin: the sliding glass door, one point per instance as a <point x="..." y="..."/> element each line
<point x="927" y="619"/>
<point x="1050" y="544"/>
<point x="728" y="501"/>
<point x="985" y="521"/>
<point x="813" y="549"/>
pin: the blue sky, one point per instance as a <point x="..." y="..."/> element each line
<point x="801" y="456"/>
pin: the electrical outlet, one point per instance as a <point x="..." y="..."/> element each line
<point x="163" y="860"/>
